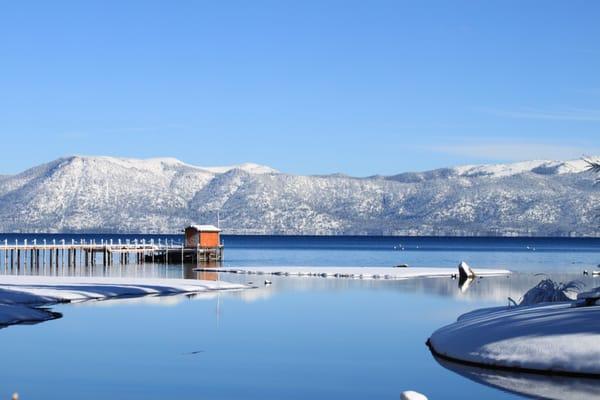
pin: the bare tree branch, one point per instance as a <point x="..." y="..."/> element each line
<point x="593" y="166"/>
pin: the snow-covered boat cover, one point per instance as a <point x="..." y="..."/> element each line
<point x="549" y="337"/>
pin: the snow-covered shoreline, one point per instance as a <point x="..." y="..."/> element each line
<point x="357" y="272"/>
<point x="25" y="298"/>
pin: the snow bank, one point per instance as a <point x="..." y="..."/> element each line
<point x="20" y="296"/>
<point x="550" y="337"/>
<point x="412" y="395"/>
<point x="356" y="272"/>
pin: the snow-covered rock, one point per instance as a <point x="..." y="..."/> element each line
<point x="465" y="271"/>
<point x="100" y="194"/>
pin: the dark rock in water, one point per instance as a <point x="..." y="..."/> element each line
<point x="464" y="271"/>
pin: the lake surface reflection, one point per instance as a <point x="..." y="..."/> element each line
<point x="535" y="386"/>
<point x="295" y="339"/>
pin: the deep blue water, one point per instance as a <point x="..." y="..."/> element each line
<point x="296" y="339"/>
<point x="382" y="243"/>
<point x="523" y="254"/>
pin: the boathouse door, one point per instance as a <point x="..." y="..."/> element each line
<point x="192" y="237"/>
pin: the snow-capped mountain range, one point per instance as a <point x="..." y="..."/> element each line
<point x="106" y="194"/>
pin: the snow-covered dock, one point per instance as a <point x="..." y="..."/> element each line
<point x="356" y="272"/>
<point x="21" y="297"/>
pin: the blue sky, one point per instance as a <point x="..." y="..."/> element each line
<point x="360" y="87"/>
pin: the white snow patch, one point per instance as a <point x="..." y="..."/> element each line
<point x="251" y="168"/>
<point x="158" y="164"/>
<point x="503" y="170"/>
<point x="412" y="395"/>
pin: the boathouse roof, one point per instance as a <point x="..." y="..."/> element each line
<point x="204" y="228"/>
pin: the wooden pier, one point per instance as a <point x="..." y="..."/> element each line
<point x="106" y="253"/>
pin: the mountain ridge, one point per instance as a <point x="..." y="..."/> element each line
<point x="161" y="195"/>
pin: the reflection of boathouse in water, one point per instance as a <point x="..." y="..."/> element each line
<point x="208" y="273"/>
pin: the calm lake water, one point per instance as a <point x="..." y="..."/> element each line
<point x="299" y="338"/>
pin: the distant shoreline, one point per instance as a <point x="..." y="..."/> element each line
<point x="292" y="236"/>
